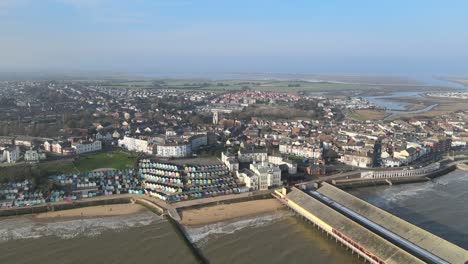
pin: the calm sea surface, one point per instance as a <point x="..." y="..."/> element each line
<point x="440" y="207"/>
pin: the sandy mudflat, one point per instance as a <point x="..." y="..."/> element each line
<point x="92" y="211"/>
<point x="225" y="212"/>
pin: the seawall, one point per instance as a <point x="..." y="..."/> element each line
<point x="62" y="206"/>
<point x="257" y="196"/>
<point x="356" y="183"/>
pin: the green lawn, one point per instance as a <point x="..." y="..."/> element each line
<point x="115" y="160"/>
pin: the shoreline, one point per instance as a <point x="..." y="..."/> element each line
<point x="90" y="212"/>
<point x="228" y="212"/>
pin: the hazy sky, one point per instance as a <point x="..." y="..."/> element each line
<point x="329" y="36"/>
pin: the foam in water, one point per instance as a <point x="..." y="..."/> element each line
<point x="25" y="228"/>
<point x="201" y="234"/>
<point x="438" y="187"/>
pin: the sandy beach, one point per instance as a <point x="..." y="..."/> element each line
<point x="91" y="212"/>
<point x="225" y="212"/>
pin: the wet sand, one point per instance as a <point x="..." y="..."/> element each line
<point x="225" y="212"/>
<point x="91" y="212"/>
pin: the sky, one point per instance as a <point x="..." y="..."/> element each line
<point x="395" y="37"/>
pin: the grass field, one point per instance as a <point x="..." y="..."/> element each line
<point x="115" y="160"/>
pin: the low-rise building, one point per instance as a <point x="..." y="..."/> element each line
<point x="268" y="175"/>
<point x="135" y="144"/>
<point x="86" y="147"/>
<point x="230" y="161"/>
<point x="31" y="156"/>
<point x="357" y="160"/>
<point x="257" y="155"/>
<point x="278" y="161"/>
<point x="301" y="151"/>
<point x="249" y="178"/>
<point x="174" y="149"/>
<point x="104" y="137"/>
<point x="11" y="155"/>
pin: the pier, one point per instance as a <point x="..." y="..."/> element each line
<point x="368" y="231"/>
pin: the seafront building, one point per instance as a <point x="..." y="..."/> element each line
<point x="135" y="144"/>
<point x="83" y="147"/>
<point x="260" y="176"/>
<point x="268" y="175"/>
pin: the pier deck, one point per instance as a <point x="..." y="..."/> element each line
<point x="379" y="247"/>
<point x="432" y="243"/>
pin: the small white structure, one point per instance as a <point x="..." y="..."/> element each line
<point x="31" y="156"/>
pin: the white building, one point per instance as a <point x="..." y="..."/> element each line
<point x="391" y="162"/>
<point x="135" y="144"/>
<point x="11" y="155"/>
<point x="301" y="151"/>
<point x="174" y="150"/>
<point x="230" y="161"/>
<point x="249" y="178"/>
<point x="268" y="175"/>
<point x="31" y="156"/>
<point x="106" y="137"/>
<point x="252" y="155"/>
<point x="23" y="142"/>
<point x="86" y="147"/>
<point x="278" y="160"/>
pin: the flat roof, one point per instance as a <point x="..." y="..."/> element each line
<point x="424" y="239"/>
<point x="380" y="247"/>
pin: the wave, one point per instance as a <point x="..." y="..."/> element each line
<point x="25" y="228"/>
<point x="201" y="234"/>
<point x="441" y="187"/>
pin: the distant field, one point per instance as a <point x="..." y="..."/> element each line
<point x="289" y="86"/>
<point x="367" y="114"/>
<point x="238" y="85"/>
